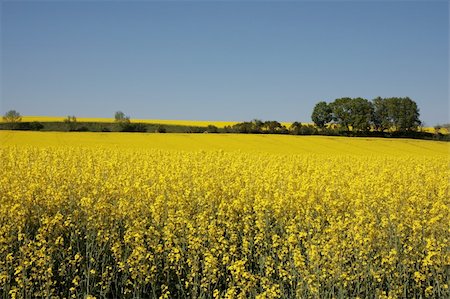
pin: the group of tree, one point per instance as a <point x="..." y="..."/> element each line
<point x="358" y="114"/>
<point x="257" y="126"/>
<point x="381" y="117"/>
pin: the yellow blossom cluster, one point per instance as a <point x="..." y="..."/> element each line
<point x="201" y="123"/>
<point x="80" y="221"/>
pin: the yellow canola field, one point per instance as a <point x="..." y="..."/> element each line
<point x="199" y="123"/>
<point x="222" y="216"/>
<point x="193" y="123"/>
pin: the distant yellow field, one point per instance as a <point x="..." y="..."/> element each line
<point x="202" y="123"/>
<point x="61" y="118"/>
<point x="433" y="130"/>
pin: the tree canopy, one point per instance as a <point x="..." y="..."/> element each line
<point x="120" y="117"/>
<point x="12" y="116"/>
<point x="321" y="114"/>
<point x="359" y="114"/>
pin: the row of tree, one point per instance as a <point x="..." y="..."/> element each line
<point x="257" y="126"/>
<point x="358" y="114"/>
<point x="343" y="116"/>
<point x="351" y="114"/>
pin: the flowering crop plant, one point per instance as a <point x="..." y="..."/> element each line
<point x="222" y="216"/>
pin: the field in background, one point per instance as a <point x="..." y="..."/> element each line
<point x="127" y="215"/>
<point x="198" y="123"/>
<point x="195" y="123"/>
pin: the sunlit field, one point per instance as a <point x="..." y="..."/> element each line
<point x="130" y="215"/>
<point x="200" y="123"/>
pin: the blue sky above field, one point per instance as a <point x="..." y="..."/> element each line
<point x="221" y="60"/>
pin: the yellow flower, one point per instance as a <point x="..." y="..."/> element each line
<point x="222" y="215"/>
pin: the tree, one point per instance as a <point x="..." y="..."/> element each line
<point x="361" y="114"/>
<point x="402" y="114"/>
<point x="120" y="117"/>
<point x="408" y="115"/>
<point x="12" y="116"/>
<point x="244" y="127"/>
<point x="342" y="112"/>
<point x="321" y="114"/>
<point x="70" y="119"/>
<point x="71" y="122"/>
<point x="212" y="129"/>
<point x="257" y="125"/>
<point x="354" y="113"/>
<point x="160" y="129"/>
<point x="272" y="126"/>
<point x="123" y="122"/>
<point x="294" y="128"/>
<point x="381" y="119"/>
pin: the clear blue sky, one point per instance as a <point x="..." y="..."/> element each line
<point x="221" y="60"/>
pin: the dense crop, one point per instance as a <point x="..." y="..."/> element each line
<point x="200" y="123"/>
<point x="133" y="221"/>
